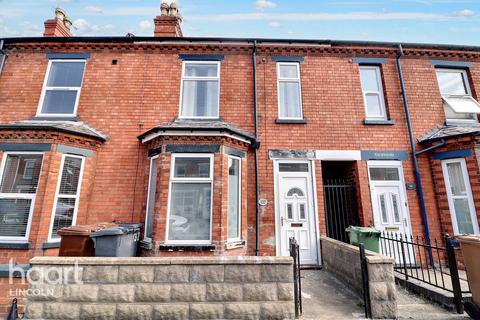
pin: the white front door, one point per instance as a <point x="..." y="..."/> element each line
<point x="389" y="203"/>
<point x="295" y="210"/>
<point x="460" y="200"/>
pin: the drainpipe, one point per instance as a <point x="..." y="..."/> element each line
<point x="414" y="153"/>
<point x="2" y="56"/>
<point x="255" y="149"/>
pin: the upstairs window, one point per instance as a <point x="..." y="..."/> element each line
<point x="289" y="91"/>
<point x="372" y="89"/>
<point x="19" y="180"/>
<point x="61" y="89"/>
<point x="200" y="97"/>
<point x="458" y="102"/>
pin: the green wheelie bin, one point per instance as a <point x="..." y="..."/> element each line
<point x="369" y="236"/>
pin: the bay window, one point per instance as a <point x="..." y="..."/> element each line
<point x="152" y="189"/>
<point x="68" y="194"/>
<point x="234" y="198"/>
<point x="460" y="198"/>
<point x="61" y="89"/>
<point x="458" y="103"/>
<point x="373" y="96"/>
<point x="19" y="181"/>
<point x="190" y="200"/>
<point x="200" y="96"/>
<point x="289" y="91"/>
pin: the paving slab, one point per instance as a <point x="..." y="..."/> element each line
<point x="325" y="297"/>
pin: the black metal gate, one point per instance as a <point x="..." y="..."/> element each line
<point x="341" y="208"/>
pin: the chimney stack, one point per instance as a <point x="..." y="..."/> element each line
<point x="168" y="23"/>
<point x="59" y="26"/>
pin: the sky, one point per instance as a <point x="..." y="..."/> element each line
<point x="425" y="21"/>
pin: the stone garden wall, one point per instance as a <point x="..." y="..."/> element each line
<point x="161" y="288"/>
<point x="343" y="260"/>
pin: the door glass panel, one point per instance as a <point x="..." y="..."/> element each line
<point x="396" y="209"/>
<point x="289" y="211"/>
<point x="293" y="167"/>
<point x="295" y="192"/>
<point x="301" y="209"/>
<point x="383" y="208"/>
<point x="384" y="174"/>
<point x="464" y="219"/>
<point x="457" y="183"/>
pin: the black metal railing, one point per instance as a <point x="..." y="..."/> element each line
<point x="297" y="282"/>
<point x="433" y="263"/>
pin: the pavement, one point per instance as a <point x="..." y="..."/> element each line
<point x="325" y="297"/>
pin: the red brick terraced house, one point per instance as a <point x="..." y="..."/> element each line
<point x="231" y="146"/>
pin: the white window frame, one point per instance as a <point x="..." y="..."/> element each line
<point x="466" y="83"/>
<point x="239" y="213"/>
<point x="173" y="180"/>
<point x="298" y="80"/>
<point x="45" y="88"/>
<point x="380" y="93"/>
<point x="27" y="164"/>
<point x="30" y="196"/>
<point x="149" y="239"/>
<point x="52" y="238"/>
<point x="189" y="78"/>
<point x="469" y="196"/>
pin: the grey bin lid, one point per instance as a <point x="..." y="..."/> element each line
<point x="117" y="231"/>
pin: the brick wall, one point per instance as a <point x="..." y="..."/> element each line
<point x="159" y="288"/>
<point x="142" y="91"/>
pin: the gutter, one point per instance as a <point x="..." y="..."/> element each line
<point x="255" y="150"/>
<point x="440" y="144"/>
<point x="414" y="153"/>
<point x="203" y="40"/>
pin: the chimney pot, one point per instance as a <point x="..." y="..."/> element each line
<point x="60" y="14"/>
<point x="164" y="8"/>
<point x="67" y="22"/>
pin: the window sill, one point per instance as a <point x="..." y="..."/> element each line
<point x="15" y="245"/>
<point x="50" y="118"/>
<point x="388" y="122"/>
<point x="291" y="121"/>
<point x="51" y="245"/>
<point x="209" y="247"/>
<point x="234" y="245"/>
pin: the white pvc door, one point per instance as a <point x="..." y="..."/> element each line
<point x="389" y="204"/>
<point x="295" y="211"/>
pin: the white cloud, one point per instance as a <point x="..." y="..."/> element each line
<point x="93" y="9"/>
<point x="83" y="27"/>
<point x="359" y="16"/>
<point x="464" y="13"/>
<point x="145" y="25"/>
<point x="261" y="5"/>
<point x="274" y="24"/>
